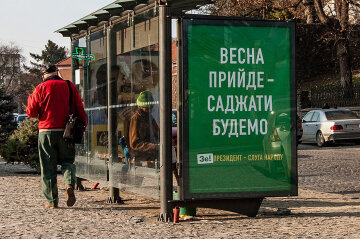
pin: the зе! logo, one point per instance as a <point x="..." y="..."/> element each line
<point x="205" y="158"/>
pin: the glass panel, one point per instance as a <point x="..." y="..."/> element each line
<point x="79" y="74"/>
<point x="137" y="105"/>
<point x="96" y="109"/>
<point x="308" y="116"/>
<point x="134" y="73"/>
<point x="341" y="115"/>
<point x="315" y="117"/>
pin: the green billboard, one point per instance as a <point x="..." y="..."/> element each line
<point x="239" y="112"/>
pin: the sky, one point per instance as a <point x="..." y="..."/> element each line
<point x="29" y="24"/>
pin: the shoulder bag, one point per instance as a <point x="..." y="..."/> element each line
<point x="75" y="127"/>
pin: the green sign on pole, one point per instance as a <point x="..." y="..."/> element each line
<point x="240" y="114"/>
<point x="79" y="55"/>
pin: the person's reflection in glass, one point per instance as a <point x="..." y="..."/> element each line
<point x="144" y="132"/>
<point x="145" y="76"/>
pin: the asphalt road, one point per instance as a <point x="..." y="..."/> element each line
<point x="334" y="169"/>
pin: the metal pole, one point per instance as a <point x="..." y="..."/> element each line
<point x="78" y="184"/>
<point x="179" y="107"/>
<point x="72" y="62"/>
<point x="114" y="194"/>
<point x="166" y="184"/>
<point x="87" y="86"/>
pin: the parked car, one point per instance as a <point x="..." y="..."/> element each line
<point x="21" y="117"/>
<point x="330" y="125"/>
<point x="15" y="116"/>
<point x="279" y="143"/>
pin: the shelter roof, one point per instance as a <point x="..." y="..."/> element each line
<point x="121" y="8"/>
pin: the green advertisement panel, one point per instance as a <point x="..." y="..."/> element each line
<point x="240" y="109"/>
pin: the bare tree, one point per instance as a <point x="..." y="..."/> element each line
<point x="309" y="10"/>
<point x="16" y="82"/>
<point x="334" y="14"/>
<point x="28" y="83"/>
<point x="339" y="29"/>
<point x="259" y="9"/>
<point x="10" y="66"/>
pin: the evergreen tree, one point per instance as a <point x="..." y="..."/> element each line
<point x="7" y="123"/>
<point x="21" y="147"/>
<point x="51" y="55"/>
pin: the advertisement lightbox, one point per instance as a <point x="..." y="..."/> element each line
<point x="239" y="109"/>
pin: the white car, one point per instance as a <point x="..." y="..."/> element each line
<point x="21" y="117"/>
<point x="330" y="125"/>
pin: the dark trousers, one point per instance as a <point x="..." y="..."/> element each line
<point x="53" y="151"/>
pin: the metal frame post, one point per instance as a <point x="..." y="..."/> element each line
<point x="87" y="84"/>
<point x="166" y="182"/>
<point x="78" y="181"/>
<point x="179" y="106"/>
<point x="114" y="194"/>
<point x="72" y="62"/>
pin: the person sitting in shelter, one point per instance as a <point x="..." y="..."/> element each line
<point x="144" y="132"/>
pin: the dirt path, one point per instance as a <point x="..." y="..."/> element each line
<point x="22" y="215"/>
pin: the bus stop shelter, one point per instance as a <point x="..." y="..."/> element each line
<point x="236" y="123"/>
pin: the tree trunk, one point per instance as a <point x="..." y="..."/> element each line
<point x="342" y="11"/>
<point x="345" y="67"/>
<point x="309" y="11"/>
<point x="320" y="12"/>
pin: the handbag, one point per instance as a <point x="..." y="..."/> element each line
<point x="75" y="127"/>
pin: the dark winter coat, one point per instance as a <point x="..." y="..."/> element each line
<point x="144" y="136"/>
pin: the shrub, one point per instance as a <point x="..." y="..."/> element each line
<point x="22" y="145"/>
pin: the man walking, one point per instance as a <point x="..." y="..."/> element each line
<point x="50" y="103"/>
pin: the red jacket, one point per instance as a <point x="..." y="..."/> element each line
<point x="50" y="103"/>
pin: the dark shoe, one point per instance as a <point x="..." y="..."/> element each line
<point x="70" y="196"/>
<point x="48" y="206"/>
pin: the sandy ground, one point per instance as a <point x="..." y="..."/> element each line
<point x="22" y="215"/>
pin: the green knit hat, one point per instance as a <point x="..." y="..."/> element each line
<point x="145" y="99"/>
